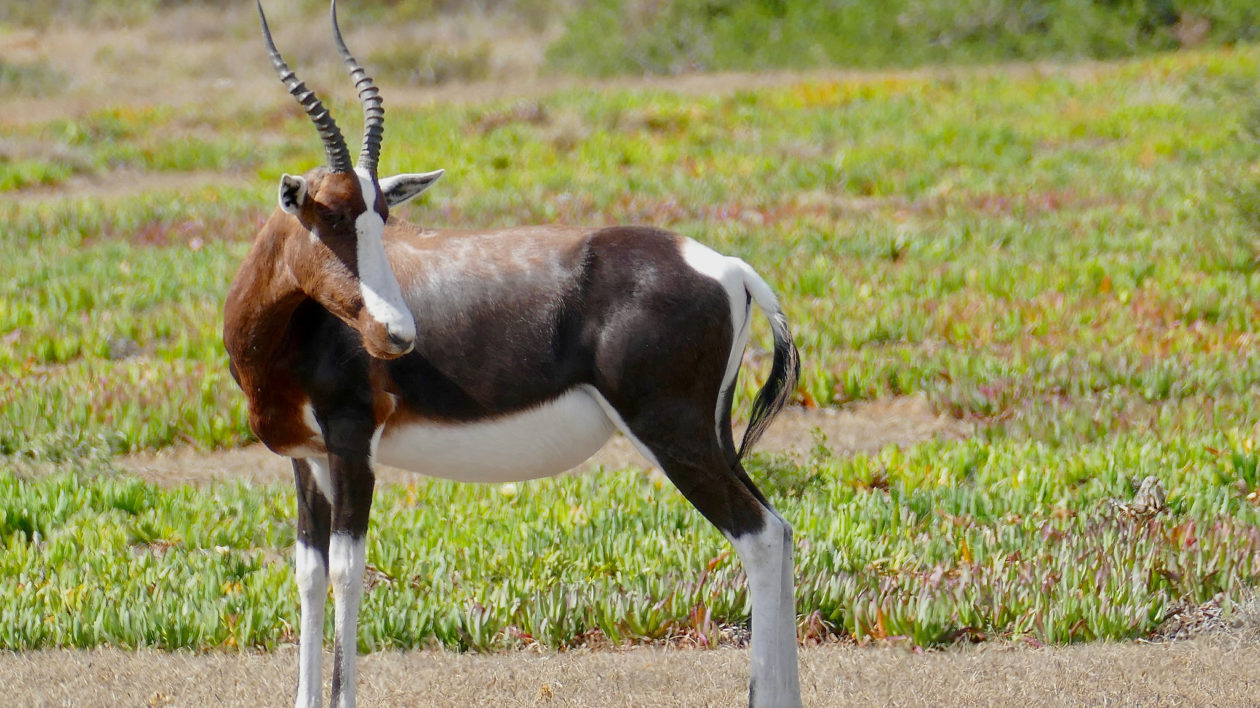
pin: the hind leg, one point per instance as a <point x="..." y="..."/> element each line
<point x="683" y="443"/>
<point x="763" y="542"/>
<point x="767" y="557"/>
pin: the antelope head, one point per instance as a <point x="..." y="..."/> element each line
<point x="337" y="254"/>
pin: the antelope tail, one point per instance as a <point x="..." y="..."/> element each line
<point x="784" y="372"/>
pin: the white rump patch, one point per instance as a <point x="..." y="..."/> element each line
<point x="540" y="442"/>
<point x="377" y="283"/>
<point x="730" y="273"/>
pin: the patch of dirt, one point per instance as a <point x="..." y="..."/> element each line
<point x="862" y="427"/>
<point x="122" y="183"/>
<point x="1184" y="674"/>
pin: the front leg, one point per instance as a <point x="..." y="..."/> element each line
<point x="314" y="516"/>
<point x="353" y="482"/>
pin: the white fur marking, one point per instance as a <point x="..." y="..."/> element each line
<point x="381" y="293"/>
<point x="729" y="272"/>
<point x="540" y="442"/>
<point x="308" y="417"/>
<point x="401" y="189"/>
<point x="323" y="480"/>
<point x="346" y="558"/>
<point x="312" y="582"/>
<point x="767" y="559"/>
<point x="740" y="343"/>
<point x="375" y="444"/>
<point x="296" y="187"/>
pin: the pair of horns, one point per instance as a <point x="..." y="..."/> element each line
<point x="369" y="96"/>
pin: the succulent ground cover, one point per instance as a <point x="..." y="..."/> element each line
<point x="1064" y="257"/>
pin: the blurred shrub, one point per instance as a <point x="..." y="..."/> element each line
<point x="30" y="79"/>
<point x="431" y="65"/>
<point x="88" y="12"/>
<point x="535" y="14"/>
<point x="607" y="37"/>
<point x="1245" y="194"/>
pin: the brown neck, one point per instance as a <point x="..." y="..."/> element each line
<point x="260" y="303"/>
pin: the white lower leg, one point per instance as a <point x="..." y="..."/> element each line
<point x="767" y="558"/>
<point x="312" y="582"/>
<point x="345" y="569"/>
<point x="787" y="614"/>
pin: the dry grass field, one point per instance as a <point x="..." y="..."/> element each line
<point x="1202" y="673"/>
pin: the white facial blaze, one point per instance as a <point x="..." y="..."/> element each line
<point x="381" y="294"/>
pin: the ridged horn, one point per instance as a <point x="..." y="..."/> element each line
<point x="334" y="142"/>
<point x="369" y="96"/>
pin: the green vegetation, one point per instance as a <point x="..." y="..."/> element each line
<point x="1066" y="258"/>
<point x="687" y="35"/>
<point x="614" y="37"/>
<point x="944" y="541"/>
<point x="30" y="79"/>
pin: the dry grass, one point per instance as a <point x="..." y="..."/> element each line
<point x="195" y="54"/>
<point x="1184" y="674"/>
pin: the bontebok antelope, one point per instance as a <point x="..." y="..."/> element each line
<point x="491" y="356"/>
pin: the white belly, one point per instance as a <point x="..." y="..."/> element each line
<point x="543" y="441"/>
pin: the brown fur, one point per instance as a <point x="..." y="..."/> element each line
<point x="285" y="267"/>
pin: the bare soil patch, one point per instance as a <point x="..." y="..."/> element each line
<point x="122" y="183"/>
<point x="1183" y="674"/>
<point x="863" y="427"/>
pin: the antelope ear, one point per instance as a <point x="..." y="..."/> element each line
<point x="401" y="189"/>
<point x="292" y="193"/>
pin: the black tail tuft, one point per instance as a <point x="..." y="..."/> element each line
<point x="774" y="395"/>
